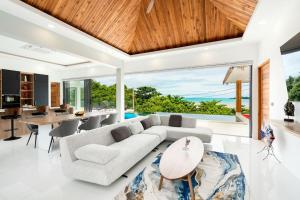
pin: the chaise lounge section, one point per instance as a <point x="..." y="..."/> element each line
<point x="116" y="158"/>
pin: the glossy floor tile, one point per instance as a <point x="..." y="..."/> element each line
<point x="33" y="174"/>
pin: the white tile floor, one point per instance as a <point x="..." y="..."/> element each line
<point x="31" y="174"/>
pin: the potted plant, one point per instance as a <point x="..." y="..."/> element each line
<point x="289" y="110"/>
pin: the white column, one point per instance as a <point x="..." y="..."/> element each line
<point x="120" y="96"/>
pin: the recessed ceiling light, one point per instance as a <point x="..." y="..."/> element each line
<point x="262" y="22"/>
<point x="51" y="26"/>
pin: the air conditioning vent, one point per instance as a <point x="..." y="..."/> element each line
<point x="37" y="49"/>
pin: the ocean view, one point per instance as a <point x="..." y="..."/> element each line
<point x="227" y="101"/>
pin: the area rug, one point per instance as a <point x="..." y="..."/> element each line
<point x="218" y="177"/>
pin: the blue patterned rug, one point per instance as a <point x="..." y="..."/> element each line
<point x="218" y="177"/>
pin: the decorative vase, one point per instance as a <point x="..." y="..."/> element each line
<point x="187" y="142"/>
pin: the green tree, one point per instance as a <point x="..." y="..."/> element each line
<point x="214" y="108"/>
<point x="290" y="83"/>
<point x="145" y="93"/>
<point x="149" y="100"/>
<point x="103" y="96"/>
<point x="294" y="94"/>
<point x="168" y="103"/>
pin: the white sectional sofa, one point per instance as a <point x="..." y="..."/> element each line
<point x="130" y="150"/>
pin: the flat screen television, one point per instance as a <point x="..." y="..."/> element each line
<point x="291" y="61"/>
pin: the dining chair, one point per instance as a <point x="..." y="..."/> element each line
<point x="91" y="123"/>
<point x="112" y="118"/>
<point x="34" y="129"/>
<point x="66" y="128"/>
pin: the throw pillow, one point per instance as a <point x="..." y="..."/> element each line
<point x="155" y="118"/>
<point x="175" y="120"/>
<point x="136" y="127"/>
<point x="96" y="153"/>
<point x="121" y="133"/>
<point x="146" y="123"/>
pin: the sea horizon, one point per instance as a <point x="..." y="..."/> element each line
<point x="223" y="100"/>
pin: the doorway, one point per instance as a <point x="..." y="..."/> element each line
<point x="55" y="94"/>
<point x="263" y="94"/>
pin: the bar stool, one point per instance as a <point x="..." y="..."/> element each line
<point x="12" y="114"/>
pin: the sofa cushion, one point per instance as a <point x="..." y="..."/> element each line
<point x="160" y="131"/>
<point x="147" y="123"/>
<point x="136" y="127"/>
<point x="121" y="133"/>
<point x="175" y="120"/>
<point x="164" y="120"/>
<point x="155" y="118"/>
<point x="132" y="150"/>
<point x="175" y="133"/>
<point x="96" y="153"/>
<point x="188" y="122"/>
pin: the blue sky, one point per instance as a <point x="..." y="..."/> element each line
<point x="291" y="64"/>
<point x="196" y="82"/>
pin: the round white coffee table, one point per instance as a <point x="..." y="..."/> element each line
<point x="177" y="163"/>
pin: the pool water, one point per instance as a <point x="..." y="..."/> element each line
<point x="130" y="115"/>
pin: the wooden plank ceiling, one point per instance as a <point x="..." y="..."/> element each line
<point x="125" y="24"/>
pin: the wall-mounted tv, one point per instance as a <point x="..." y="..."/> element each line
<point x="291" y="61"/>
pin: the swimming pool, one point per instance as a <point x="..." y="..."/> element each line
<point x="130" y="115"/>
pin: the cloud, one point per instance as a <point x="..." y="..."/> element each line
<point x="187" y="82"/>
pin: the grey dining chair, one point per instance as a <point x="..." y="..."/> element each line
<point x="66" y="128"/>
<point x="112" y="118"/>
<point x="91" y="123"/>
<point x="34" y="129"/>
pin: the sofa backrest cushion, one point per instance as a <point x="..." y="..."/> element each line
<point x="187" y="122"/>
<point x="175" y="120"/>
<point x="164" y="120"/>
<point x="147" y="123"/>
<point x="155" y="119"/>
<point x="136" y="127"/>
<point x="121" y="133"/>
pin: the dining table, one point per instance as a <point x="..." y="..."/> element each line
<point x="46" y="123"/>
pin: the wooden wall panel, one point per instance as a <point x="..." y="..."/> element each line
<point x="55" y="94"/>
<point x="263" y="95"/>
<point x="125" y="24"/>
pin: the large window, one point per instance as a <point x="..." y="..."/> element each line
<point x="103" y="93"/>
<point x="198" y="92"/>
<point x="75" y="94"/>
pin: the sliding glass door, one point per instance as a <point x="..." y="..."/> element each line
<point x="77" y="94"/>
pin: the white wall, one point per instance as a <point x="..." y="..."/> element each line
<point x="230" y="51"/>
<point x="285" y="26"/>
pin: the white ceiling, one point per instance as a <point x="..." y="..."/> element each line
<point x="238" y="73"/>
<point x="28" y="51"/>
